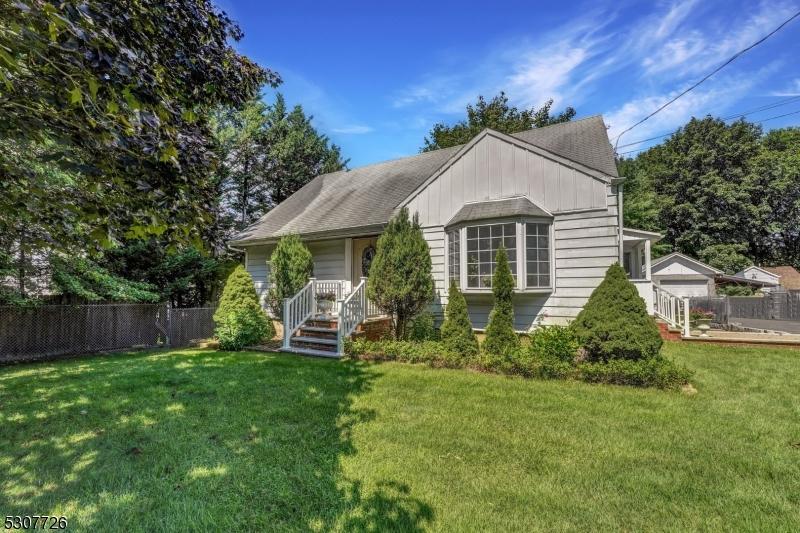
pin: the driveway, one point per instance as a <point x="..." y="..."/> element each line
<point x="775" y="325"/>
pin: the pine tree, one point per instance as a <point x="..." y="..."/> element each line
<point x="500" y="335"/>
<point x="239" y="318"/>
<point x="456" y="330"/>
<point x="400" y="281"/>
<point x="291" y="265"/>
<point x="614" y="323"/>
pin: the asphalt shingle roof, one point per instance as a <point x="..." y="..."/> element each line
<point x="497" y="209"/>
<point x="367" y="196"/>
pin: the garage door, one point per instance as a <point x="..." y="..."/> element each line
<point x="686" y="288"/>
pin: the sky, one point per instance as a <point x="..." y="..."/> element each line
<point x="377" y="76"/>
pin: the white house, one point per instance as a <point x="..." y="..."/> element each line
<point x="760" y="274"/>
<point x="551" y="196"/>
<point x="682" y="275"/>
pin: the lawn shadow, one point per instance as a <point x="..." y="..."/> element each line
<point x="198" y="438"/>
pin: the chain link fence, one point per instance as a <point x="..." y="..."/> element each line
<point x="60" y="330"/>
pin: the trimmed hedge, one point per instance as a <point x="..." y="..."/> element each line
<point x="239" y="319"/>
<point x="500" y="335"/>
<point x="532" y="361"/>
<point x="456" y="332"/>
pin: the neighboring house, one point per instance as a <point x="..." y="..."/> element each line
<point x="682" y="275"/>
<point x="760" y="274"/>
<point x="551" y="196"/>
<point x="789" y="277"/>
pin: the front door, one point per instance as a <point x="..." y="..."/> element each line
<point x="363" y="254"/>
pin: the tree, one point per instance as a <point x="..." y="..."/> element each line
<point x="77" y="277"/>
<point x="501" y="338"/>
<point x="119" y="94"/>
<point x="497" y="115"/>
<point x="729" y="258"/>
<point x="456" y="331"/>
<point x="614" y="323"/>
<point x="297" y="152"/>
<point x="291" y="265"/>
<point x="266" y="153"/>
<point x="239" y="318"/>
<point x="400" y="281"/>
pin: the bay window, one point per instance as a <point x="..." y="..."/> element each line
<point x="472" y="254"/>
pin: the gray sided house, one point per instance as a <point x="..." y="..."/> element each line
<point x="551" y="196"/>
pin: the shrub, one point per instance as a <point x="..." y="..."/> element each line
<point x="243" y="327"/>
<point x="652" y="372"/>
<point x="614" y="323"/>
<point x="557" y="342"/>
<point x="239" y="318"/>
<point x="431" y="352"/>
<point x="423" y="328"/>
<point x="400" y="282"/>
<point x="291" y="265"/>
<point x="500" y="335"/>
<point x="456" y="332"/>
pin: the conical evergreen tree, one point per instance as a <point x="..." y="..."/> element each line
<point x="500" y="335"/>
<point x="614" y="323"/>
<point x="400" y="281"/>
<point x="291" y="265"/>
<point x="239" y="318"/>
<point x="456" y="330"/>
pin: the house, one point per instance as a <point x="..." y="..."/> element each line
<point x="682" y="275"/>
<point x="770" y="277"/>
<point x="552" y="196"/>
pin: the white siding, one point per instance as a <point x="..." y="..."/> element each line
<point x="256" y="265"/>
<point x="586" y="243"/>
<point x="678" y="266"/>
<point x="759" y="275"/>
<point x="328" y="257"/>
<point x="494" y="169"/>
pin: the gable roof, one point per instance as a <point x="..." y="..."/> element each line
<point x="583" y="141"/>
<point x="507" y="207"/>
<point x="678" y="255"/>
<point x="790" y="277"/>
<point x="366" y="197"/>
<point x="761" y="269"/>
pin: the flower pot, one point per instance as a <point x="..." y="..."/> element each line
<point x="324" y="306"/>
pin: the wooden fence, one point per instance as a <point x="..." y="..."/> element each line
<point x="776" y="305"/>
<point x="60" y="330"/>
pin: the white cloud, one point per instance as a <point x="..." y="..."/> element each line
<point x="353" y="129"/>
<point x="792" y="89"/>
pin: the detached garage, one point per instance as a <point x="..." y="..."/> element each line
<point x="681" y="275"/>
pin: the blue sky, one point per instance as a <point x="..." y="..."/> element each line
<point x="377" y="75"/>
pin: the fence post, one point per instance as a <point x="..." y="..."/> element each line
<point x="687" y="332"/>
<point x="169" y="326"/>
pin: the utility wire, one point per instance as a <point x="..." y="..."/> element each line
<point x="704" y="78"/>
<point x="756" y="122"/>
<point x="729" y="117"/>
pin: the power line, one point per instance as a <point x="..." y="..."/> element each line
<point x="707" y="76"/>
<point x="735" y="115"/>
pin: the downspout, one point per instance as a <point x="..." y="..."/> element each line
<point x="618" y="183"/>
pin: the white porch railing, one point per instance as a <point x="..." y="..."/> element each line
<point x="674" y="310"/>
<point x="297" y="310"/>
<point x="352" y="312"/>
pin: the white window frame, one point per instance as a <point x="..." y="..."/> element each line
<point x="522" y="254"/>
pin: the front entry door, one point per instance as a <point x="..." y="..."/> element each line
<point x="363" y="253"/>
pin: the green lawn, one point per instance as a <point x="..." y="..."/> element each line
<point x="207" y="440"/>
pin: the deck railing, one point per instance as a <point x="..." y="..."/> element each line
<point x="674" y="310"/>
<point x="352" y="312"/>
<point x="297" y="310"/>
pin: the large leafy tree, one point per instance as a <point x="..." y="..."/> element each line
<point x="496" y="114"/>
<point x="118" y="93"/>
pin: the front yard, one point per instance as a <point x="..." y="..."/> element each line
<point x="208" y="440"/>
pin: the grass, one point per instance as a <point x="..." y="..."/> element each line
<point x="208" y="440"/>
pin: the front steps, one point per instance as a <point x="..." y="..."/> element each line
<point x="317" y="336"/>
<point x="668" y="333"/>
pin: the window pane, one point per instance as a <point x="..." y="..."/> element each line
<point x="472" y="232"/>
<point x="472" y="281"/>
<point x="482" y="251"/>
<point x="454" y="258"/>
<point x="483" y="231"/>
<point x="497" y="231"/>
<point x="537" y="242"/>
<point x="510" y="229"/>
